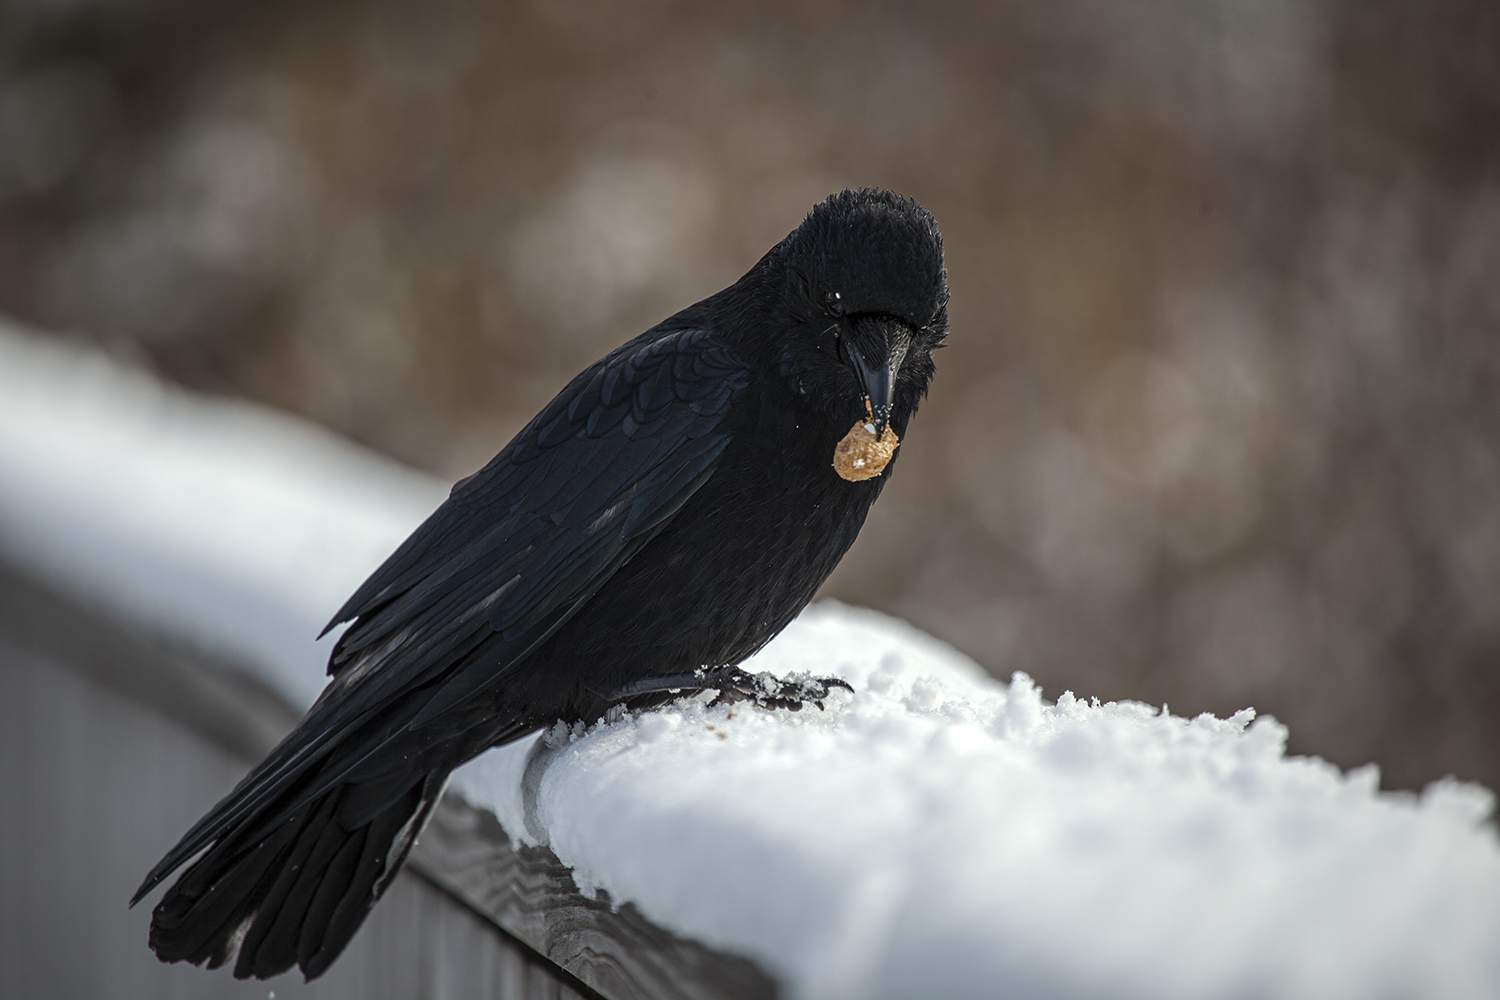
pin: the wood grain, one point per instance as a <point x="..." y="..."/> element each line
<point x="531" y="895"/>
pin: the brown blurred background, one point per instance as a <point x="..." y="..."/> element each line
<point x="1219" y="423"/>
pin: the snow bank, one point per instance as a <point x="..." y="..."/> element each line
<point x="934" y="834"/>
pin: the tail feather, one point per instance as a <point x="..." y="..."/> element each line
<point x="372" y="874"/>
<point x="290" y="862"/>
<point x="198" y="919"/>
<point x="270" y="944"/>
<point x="294" y="894"/>
<point x="333" y="890"/>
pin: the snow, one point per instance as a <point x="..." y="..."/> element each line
<point x="935" y="833"/>
<point x="220" y="523"/>
<point x="941" y="834"/>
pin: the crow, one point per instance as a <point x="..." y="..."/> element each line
<point x="664" y="517"/>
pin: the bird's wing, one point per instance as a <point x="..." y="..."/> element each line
<point x="513" y="552"/>
<point x="522" y="543"/>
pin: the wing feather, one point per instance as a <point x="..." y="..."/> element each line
<point x="516" y="549"/>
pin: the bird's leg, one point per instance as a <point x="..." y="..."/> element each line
<point x="734" y="684"/>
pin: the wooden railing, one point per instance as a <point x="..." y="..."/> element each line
<point x="112" y="740"/>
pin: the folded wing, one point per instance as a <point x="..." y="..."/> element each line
<point x="512" y="554"/>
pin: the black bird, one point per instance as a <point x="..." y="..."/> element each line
<point x="667" y="514"/>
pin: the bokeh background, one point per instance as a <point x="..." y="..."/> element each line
<point x="1220" y="420"/>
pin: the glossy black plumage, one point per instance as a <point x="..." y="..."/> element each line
<point x="672" y="509"/>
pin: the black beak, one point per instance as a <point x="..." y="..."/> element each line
<point x="876" y="347"/>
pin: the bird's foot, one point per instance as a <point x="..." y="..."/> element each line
<point x="769" y="691"/>
<point x="734" y="684"/>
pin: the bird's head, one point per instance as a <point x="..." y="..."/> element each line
<point x="868" y="294"/>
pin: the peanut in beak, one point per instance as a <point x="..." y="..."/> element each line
<point x="860" y="455"/>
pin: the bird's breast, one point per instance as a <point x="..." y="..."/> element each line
<point x="736" y="564"/>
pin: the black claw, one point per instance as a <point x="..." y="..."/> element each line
<point x="734" y="684"/>
<point x="772" y="692"/>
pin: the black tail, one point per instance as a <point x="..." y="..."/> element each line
<point x="293" y="890"/>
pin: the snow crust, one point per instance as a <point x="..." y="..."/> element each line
<point x="934" y="834"/>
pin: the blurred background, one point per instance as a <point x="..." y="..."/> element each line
<point x="1220" y="420"/>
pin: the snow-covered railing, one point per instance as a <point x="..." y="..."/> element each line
<point x="935" y="833"/>
<point x="177" y="550"/>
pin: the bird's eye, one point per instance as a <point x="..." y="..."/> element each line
<point x="835" y="305"/>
